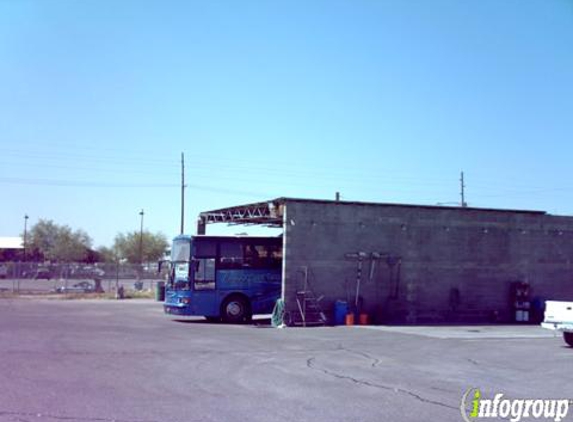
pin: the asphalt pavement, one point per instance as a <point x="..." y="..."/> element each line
<point x="125" y="361"/>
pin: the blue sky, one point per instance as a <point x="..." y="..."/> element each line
<point x="384" y="101"/>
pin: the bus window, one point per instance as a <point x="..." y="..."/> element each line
<point x="205" y="249"/>
<point x="204" y="274"/>
<point x="275" y="256"/>
<point x="182" y="270"/>
<point x="256" y="256"/>
<point x="180" y="251"/>
<point x="231" y="255"/>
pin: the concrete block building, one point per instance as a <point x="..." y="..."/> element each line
<point x="415" y="264"/>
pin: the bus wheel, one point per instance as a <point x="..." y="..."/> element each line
<point x="235" y="310"/>
<point x="568" y="337"/>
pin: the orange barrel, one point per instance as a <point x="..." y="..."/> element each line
<point x="349" y="319"/>
<point x="363" y="318"/>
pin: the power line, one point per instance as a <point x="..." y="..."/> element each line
<point x="73" y="183"/>
<point x="233" y="173"/>
<point x="77" y="183"/>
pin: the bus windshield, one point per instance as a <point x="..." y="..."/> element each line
<point x="181" y="250"/>
<point x="180" y="257"/>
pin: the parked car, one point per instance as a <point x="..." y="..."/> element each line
<point x="559" y="317"/>
<point x="87" y="271"/>
<point x="81" y="287"/>
<point x="44" y="273"/>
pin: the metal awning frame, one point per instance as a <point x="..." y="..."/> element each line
<point x="262" y="213"/>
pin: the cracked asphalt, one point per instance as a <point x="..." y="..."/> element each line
<point x="124" y="361"/>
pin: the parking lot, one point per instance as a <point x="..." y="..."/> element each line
<point x="29" y="286"/>
<point x="106" y="360"/>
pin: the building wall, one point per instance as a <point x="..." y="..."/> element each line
<point x="433" y="264"/>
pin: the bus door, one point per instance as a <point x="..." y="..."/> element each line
<point x="204" y="300"/>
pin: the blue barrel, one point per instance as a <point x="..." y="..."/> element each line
<point x="340" y="311"/>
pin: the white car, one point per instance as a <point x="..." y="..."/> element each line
<point x="559" y="317"/>
<point x="81" y="287"/>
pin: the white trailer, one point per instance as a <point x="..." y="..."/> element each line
<point x="559" y="317"/>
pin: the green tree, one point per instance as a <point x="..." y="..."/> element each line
<point x="106" y="254"/>
<point x="153" y="246"/>
<point x="50" y="241"/>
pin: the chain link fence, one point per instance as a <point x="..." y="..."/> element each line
<point x="39" y="278"/>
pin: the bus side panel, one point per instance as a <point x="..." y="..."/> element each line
<point x="262" y="287"/>
<point x="198" y="303"/>
<point x="205" y="303"/>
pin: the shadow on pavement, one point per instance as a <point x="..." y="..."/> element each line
<point x="258" y="323"/>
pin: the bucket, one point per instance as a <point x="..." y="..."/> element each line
<point x="340" y="311"/>
<point x="363" y="319"/>
<point x="350" y="319"/>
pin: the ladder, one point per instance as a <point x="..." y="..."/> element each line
<point x="309" y="312"/>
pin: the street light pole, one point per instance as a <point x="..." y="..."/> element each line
<point x="25" y="234"/>
<point x="141" y="239"/>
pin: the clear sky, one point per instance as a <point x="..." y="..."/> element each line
<point x="382" y="100"/>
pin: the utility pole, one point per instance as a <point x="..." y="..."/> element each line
<point x="463" y="187"/>
<point x="25" y="234"/>
<point x="182" y="193"/>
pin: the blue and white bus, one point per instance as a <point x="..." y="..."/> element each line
<point x="226" y="278"/>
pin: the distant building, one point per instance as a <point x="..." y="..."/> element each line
<point x="11" y="248"/>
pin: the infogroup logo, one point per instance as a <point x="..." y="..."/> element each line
<point x="474" y="407"/>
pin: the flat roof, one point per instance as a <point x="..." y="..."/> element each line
<point x="269" y="213"/>
<point x="11" y="243"/>
<point x="392" y="204"/>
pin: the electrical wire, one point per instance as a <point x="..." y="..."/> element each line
<point x="210" y="172"/>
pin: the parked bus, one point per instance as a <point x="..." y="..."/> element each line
<point x="226" y="278"/>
